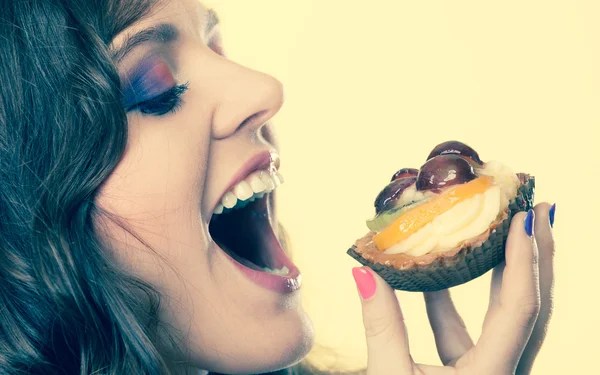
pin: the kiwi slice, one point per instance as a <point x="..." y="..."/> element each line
<point x="385" y="218"/>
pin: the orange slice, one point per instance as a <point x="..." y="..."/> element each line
<point x="418" y="217"/>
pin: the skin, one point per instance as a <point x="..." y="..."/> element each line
<point x="175" y="170"/>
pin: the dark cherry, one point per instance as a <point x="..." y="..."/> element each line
<point x="389" y="195"/>
<point x="405" y="172"/>
<point x="455" y="148"/>
<point x="443" y="171"/>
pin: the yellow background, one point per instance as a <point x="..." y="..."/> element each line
<point x="372" y="86"/>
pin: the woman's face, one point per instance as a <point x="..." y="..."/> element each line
<point x="192" y="152"/>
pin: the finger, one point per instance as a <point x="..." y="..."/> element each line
<point x="451" y="337"/>
<point x="508" y="327"/>
<point x="545" y="241"/>
<point x="387" y="340"/>
<point x="496" y="285"/>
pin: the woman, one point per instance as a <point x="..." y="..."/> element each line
<point x="128" y="142"/>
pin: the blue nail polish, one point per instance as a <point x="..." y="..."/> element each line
<point x="529" y="223"/>
<point x="551" y="214"/>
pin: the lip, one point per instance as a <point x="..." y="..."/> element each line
<point x="260" y="161"/>
<point x="289" y="283"/>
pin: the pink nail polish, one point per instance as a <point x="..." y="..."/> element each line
<point x="365" y="282"/>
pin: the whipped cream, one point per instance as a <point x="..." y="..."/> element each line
<point x="466" y="219"/>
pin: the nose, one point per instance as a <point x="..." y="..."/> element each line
<point x="243" y="98"/>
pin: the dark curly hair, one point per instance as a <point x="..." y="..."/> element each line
<point x="64" y="307"/>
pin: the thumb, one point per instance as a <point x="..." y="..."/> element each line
<point x="387" y="340"/>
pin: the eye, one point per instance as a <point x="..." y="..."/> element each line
<point x="167" y="102"/>
<point x="152" y="88"/>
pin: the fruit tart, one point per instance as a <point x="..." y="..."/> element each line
<point x="444" y="224"/>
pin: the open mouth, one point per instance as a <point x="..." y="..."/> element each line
<point x="244" y="229"/>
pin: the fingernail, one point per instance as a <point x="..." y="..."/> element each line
<point x="551" y="214"/>
<point x="365" y="282"/>
<point x="529" y="223"/>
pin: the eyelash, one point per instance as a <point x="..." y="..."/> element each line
<point x="168" y="102"/>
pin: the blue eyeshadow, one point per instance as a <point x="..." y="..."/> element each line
<point x="143" y="83"/>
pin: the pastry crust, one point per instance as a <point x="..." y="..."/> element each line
<point x="369" y="251"/>
<point x="438" y="271"/>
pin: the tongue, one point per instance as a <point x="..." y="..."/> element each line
<point x="241" y="260"/>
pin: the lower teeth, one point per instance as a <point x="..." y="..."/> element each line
<point x="281" y="272"/>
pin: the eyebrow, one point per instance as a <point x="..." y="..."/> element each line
<point x="162" y="33"/>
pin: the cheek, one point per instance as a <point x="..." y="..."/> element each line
<point x="162" y="170"/>
<point x="156" y="190"/>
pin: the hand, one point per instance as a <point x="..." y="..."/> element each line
<point x="514" y="327"/>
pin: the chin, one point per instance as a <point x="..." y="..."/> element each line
<point x="282" y="344"/>
<point x="288" y="349"/>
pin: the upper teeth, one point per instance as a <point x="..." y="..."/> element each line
<point x="256" y="185"/>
